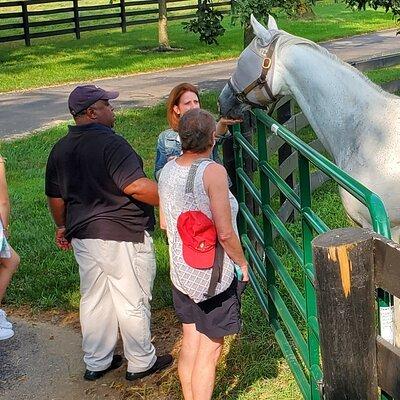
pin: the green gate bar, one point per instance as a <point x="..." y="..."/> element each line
<point x="300" y="348"/>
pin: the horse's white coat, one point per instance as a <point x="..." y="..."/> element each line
<point x="357" y="122"/>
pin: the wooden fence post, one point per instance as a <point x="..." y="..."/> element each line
<point x="344" y="267"/>
<point x="123" y="16"/>
<point x="76" y="18"/>
<point x="25" y="21"/>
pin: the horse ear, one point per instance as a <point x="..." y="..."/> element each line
<point x="260" y="30"/>
<point x="272" y="23"/>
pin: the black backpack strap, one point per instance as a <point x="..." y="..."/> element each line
<point x="216" y="273"/>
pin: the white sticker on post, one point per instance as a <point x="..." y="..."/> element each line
<point x="386" y="323"/>
<point x="274" y="128"/>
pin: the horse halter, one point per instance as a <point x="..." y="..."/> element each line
<point x="260" y="82"/>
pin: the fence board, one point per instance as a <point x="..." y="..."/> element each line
<point x="388" y="367"/>
<point x="142" y="21"/>
<point x="51" y="22"/>
<point x="142" y="2"/>
<point x="142" y="12"/>
<point x="98" y="17"/>
<point x="181" y="8"/>
<point x="3" y="27"/>
<point x="10" y="4"/>
<point x="99" y="7"/>
<point x="49" y="12"/>
<point x="52" y="33"/>
<point x="96" y="27"/>
<point x="11" y="38"/>
<point x="33" y="2"/>
<point x="11" y="15"/>
<point x="387" y="271"/>
<point x="186" y="16"/>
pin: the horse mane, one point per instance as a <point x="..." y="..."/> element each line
<point x="288" y="39"/>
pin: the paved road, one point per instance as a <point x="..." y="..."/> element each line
<point x="30" y="110"/>
<point x="44" y="362"/>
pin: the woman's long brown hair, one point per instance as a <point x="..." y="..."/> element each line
<point x="173" y="100"/>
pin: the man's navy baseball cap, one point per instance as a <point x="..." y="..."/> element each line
<point x="82" y="97"/>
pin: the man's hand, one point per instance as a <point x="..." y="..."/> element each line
<point x="61" y="242"/>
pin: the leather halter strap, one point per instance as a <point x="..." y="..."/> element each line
<point x="261" y="81"/>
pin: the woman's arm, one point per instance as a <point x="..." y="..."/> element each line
<point x="223" y="124"/>
<point x="4" y="198"/>
<point x="216" y="184"/>
<point x="161" y="156"/>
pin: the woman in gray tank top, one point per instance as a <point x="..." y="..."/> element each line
<point x="206" y="302"/>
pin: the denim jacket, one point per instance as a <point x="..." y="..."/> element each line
<point x="169" y="145"/>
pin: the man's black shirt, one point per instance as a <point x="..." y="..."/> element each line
<point x="89" y="168"/>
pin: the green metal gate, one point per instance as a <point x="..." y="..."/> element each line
<point x="298" y="342"/>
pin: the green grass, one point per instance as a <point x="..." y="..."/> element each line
<point x="384" y="75"/>
<point x="56" y="60"/>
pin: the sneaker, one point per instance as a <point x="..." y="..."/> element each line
<point x="6" y="333"/>
<point x="94" y="375"/>
<point x="4" y="323"/>
<point x="161" y="363"/>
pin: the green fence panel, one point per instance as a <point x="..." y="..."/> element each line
<point x="268" y="273"/>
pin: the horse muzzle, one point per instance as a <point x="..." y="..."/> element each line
<point x="229" y="105"/>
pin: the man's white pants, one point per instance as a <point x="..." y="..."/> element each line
<point x="116" y="280"/>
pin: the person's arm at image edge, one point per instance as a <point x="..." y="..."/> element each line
<point x="4" y="198"/>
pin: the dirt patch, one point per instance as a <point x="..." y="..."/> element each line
<point x="44" y="360"/>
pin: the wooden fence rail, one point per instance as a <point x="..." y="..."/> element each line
<point x="350" y="264"/>
<point x="73" y="17"/>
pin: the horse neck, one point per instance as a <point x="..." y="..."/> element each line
<point x="334" y="97"/>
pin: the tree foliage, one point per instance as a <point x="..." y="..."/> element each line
<point x="208" y="23"/>
<point x="387" y="5"/>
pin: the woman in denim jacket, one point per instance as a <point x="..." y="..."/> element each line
<point x="182" y="98"/>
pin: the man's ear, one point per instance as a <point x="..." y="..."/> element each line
<point x="91" y="113"/>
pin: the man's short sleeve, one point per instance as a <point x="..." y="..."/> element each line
<point x="52" y="188"/>
<point x="123" y="164"/>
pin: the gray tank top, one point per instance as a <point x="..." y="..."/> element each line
<point x="173" y="200"/>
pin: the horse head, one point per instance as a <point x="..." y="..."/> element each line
<point x="255" y="81"/>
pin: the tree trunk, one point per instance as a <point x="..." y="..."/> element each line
<point x="163" y="41"/>
<point x="303" y="10"/>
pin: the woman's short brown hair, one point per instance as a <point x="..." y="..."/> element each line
<point x="195" y="129"/>
<point x="173" y="100"/>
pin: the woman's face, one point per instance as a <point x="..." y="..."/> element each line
<point x="187" y="101"/>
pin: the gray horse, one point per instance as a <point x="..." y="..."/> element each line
<point x="356" y="121"/>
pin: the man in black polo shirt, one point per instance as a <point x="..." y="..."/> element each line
<point x="102" y="205"/>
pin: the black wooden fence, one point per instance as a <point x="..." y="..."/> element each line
<point x="73" y="18"/>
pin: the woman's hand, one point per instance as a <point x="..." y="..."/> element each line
<point x="245" y="271"/>
<point x="223" y="123"/>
